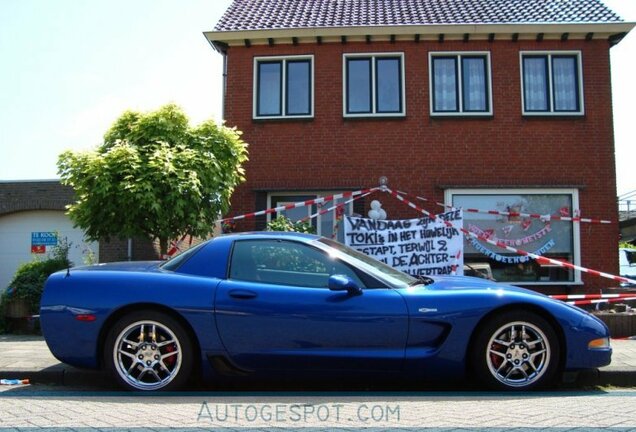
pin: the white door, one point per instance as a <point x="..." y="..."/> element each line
<point x="16" y="234"/>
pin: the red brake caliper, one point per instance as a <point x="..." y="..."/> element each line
<point x="495" y="359"/>
<point x="169" y="361"/>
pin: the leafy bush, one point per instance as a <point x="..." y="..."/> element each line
<point x="281" y="223"/>
<point x="28" y="281"/>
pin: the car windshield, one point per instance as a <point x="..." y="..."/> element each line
<point x="378" y="269"/>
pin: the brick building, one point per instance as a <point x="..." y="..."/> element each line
<point x="488" y="104"/>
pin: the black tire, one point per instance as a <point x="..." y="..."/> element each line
<point x="156" y="357"/>
<point x="529" y="361"/>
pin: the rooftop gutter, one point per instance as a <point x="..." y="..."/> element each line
<point x="599" y="31"/>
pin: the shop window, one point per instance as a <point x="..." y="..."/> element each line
<point x="283" y="87"/>
<point x="373" y="85"/>
<point x="553" y="239"/>
<point x="325" y="224"/>
<point x="460" y="84"/>
<point x="552" y="83"/>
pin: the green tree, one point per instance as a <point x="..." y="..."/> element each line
<point x="155" y="176"/>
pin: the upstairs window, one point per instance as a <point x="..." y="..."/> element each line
<point x="373" y="85"/>
<point x="283" y="87"/>
<point x="460" y="84"/>
<point x="552" y="83"/>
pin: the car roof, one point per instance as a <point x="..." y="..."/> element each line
<point x="255" y="235"/>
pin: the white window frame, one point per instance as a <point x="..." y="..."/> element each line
<point x="283" y="60"/>
<point x="270" y="204"/>
<point x="576" y="235"/>
<point x="551" y="112"/>
<point x="461" y="112"/>
<point x="373" y="56"/>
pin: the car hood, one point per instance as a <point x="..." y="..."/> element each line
<point x="457" y="283"/>
<point x="478" y="291"/>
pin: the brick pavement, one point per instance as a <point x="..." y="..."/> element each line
<point x="589" y="411"/>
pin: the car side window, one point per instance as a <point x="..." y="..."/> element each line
<point x="285" y="263"/>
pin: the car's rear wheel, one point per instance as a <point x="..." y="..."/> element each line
<point x="149" y="350"/>
<point x="517" y="350"/>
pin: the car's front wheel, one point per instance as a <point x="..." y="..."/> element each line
<point x="517" y="350"/>
<point x="149" y="350"/>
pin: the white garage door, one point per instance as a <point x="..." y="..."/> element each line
<point x="16" y="233"/>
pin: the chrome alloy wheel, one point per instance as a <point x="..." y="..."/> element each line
<point x="147" y="355"/>
<point x="518" y="354"/>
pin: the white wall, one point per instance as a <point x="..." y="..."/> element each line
<point x="15" y="239"/>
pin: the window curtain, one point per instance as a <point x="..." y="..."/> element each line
<point x="359" y="85"/>
<point x="474" y="84"/>
<point x="388" y="85"/>
<point x="535" y="85"/>
<point x="564" y="82"/>
<point x="269" y="88"/>
<point x="445" y="82"/>
<point x="298" y="87"/>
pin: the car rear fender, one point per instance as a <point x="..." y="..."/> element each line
<point x="108" y="295"/>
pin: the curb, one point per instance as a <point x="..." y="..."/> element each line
<point x="70" y="376"/>
<point x="616" y="378"/>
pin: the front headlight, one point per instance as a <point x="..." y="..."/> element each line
<point x="601" y="343"/>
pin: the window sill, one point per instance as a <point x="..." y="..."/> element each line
<point x="553" y="115"/>
<point x="281" y="119"/>
<point x="486" y="116"/>
<point x="374" y="116"/>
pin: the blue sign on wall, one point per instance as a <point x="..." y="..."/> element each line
<point x="43" y="238"/>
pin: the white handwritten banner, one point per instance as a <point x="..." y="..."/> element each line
<point x="418" y="247"/>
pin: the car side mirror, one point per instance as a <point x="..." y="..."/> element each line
<point x="341" y="282"/>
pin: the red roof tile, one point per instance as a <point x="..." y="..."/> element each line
<point x="282" y="14"/>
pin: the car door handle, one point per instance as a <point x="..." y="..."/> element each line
<point x="242" y="294"/>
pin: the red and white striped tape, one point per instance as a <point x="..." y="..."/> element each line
<point x="340" y="213"/>
<point x="342" y="204"/>
<point x="591" y="296"/>
<point x="298" y="204"/>
<point x="595" y="301"/>
<point x="454" y="264"/>
<point x="175" y="246"/>
<point x="544" y="218"/>
<point x="587" y="299"/>
<point x="540" y="259"/>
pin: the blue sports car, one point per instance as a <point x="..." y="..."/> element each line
<point x="262" y="303"/>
